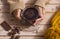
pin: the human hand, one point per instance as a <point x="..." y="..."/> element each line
<point x="41" y="14"/>
<point x="16" y="13"/>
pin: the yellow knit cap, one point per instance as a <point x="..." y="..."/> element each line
<point x="54" y="31"/>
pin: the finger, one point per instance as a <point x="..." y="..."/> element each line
<point x="38" y="21"/>
<point x="18" y="14"/>
<point x="41" y="12"/>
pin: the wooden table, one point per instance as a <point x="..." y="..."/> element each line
<point x="51" y="7"/>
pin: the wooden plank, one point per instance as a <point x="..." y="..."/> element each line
<point x="4" y="2"/>
<point x="51" y="8"/>
<point x="4" y="8"/>
<point x="4" y="37"/>
<point x="54" y="1"/>
<point x="28" y="31"/>
<point x="23" y="37"/>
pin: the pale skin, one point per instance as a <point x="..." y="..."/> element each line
<point x="42" y="13"/>
<point x="17" y="12"/>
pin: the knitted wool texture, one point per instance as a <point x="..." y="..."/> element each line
<point x="54" y="31"/>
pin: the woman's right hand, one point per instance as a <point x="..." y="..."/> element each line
<point x="16" y="13"/>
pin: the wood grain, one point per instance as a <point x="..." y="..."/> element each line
<point x="44" y="24"/>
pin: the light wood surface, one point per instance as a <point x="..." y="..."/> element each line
<point x="51" y="7"/>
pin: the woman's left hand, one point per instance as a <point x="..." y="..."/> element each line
<point x="41" y="13"/>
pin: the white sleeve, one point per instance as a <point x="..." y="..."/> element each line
<point x="30" y="2"/>
<point x="16" y="4"/>
<point x="41" y="3"/>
